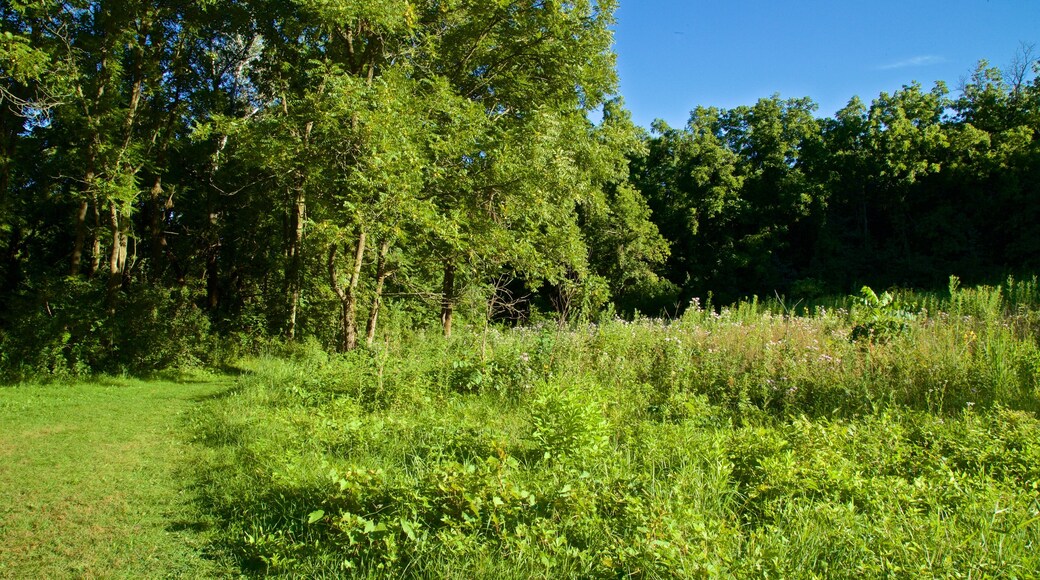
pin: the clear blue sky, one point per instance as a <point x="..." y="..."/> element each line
<point x="676" y="54"/>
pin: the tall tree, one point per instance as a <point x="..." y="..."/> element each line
<point x="535" y="69"/>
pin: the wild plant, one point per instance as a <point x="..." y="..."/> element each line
<point x="743" y="442"/>
<point x="878" y="317"/>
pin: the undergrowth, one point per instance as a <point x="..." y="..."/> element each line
<point x="743" y="442"/>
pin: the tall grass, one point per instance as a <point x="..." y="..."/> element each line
<point x="743" y="441"/>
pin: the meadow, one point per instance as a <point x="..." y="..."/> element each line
<point x="227" y="191"/>
<point x="891" y="435"/>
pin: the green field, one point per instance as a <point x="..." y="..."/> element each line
<point x="402" y="289"/>
<point x="897" y="437"/>
<point x="94" y="481"/>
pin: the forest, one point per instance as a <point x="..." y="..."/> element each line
<point x="397" y="288"/>
<point x="269" y="169"/>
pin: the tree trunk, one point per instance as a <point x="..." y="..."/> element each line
<point x="93" y="146"/>
<point x="117" y="256"/>
<point x="119" y="221"/>
<point x="382" y="273"/>
<point x="348" y="296"/>
<point x="12" y="241"/>
<point x="294" y="269"/>
<point x="448" y="297"/>
<point x="95" y="245"/>
<point x="155" y="221"/>
<point x="159" y="206"/>
<point x="7" y="141"/>
<point x="160" y="246"/>
<point x="80" y="221"/>
<point x="212" y="277"/>
<point x="351" y="337"/>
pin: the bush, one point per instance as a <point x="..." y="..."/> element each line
<point x="879" y="318"/>
<point x="568" y="423"/>
<point x="61" y="330"/>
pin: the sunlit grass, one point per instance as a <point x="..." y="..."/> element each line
<point x="744" y="442"/>
<point x="92" y="481"/>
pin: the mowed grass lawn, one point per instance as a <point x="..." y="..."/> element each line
<point x="95" y="480"/>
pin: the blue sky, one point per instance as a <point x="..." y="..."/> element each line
<point x="676" y="54"/>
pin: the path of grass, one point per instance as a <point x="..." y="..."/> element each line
<point x="89" y="483"/>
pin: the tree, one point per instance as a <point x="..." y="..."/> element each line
<point x="729" y="193"/>
<point x="625" y="247"/>
<point x="778" y="197"/>
<point x="535" y="69"/>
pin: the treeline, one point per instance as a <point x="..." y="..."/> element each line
<point x="172" y="170"/>
<point x="905" y="191"/>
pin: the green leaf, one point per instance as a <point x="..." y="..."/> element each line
<point x="408" y="529"/>
<point x="314" y="516"/>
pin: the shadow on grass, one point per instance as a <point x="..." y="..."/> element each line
<point x="197" y="526"/>
<point x="196" y="376"/>
<point x="220" y="395"/>
<point x="188" y="376"/>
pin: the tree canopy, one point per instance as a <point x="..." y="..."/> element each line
<point x="292" y="169"/>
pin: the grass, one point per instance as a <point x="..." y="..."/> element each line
<point x="887" y="436"/>
<point x="877" y="439"/>
<point x="92" y="481"/>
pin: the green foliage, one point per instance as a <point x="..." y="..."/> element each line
<point x="196" y="178"/>
<point x="983" y="302"/>
<point x="60" y="334"/>
<point x="312" y="169"/>
<point x="878" y="318"/>
<point x="760" y="199"/>
<point x="568" y="424"/>
<point x="741" y="442"/>
<point x="225" y="151"/>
